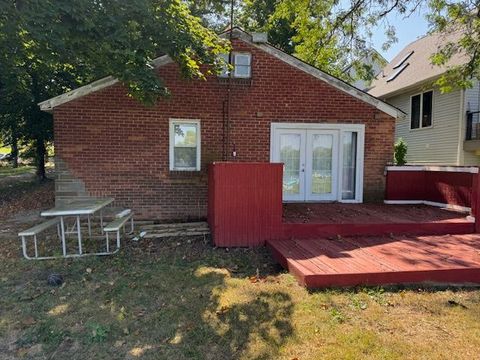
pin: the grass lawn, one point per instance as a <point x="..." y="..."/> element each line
<point x="9" y="170"/>
<point x="181" y="298"/>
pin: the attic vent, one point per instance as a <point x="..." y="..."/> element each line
<point x="397" y="72"/>
<point x="402" y="60"/>
<point x="258" y="37"/>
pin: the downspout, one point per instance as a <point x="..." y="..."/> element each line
<point x="229" y="87"/>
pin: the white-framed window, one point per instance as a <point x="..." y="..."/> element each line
<point x="241" y="64"/>
<point x="421" y="110"/>
<point x="185" y="145"/>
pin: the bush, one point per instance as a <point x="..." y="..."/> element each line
<point x="400" y="152"/>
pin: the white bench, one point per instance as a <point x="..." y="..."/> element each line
<point x="120" y="220"/>
<point x="34" y="231"/>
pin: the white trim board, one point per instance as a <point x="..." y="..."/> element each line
<point x="172" y="122"/>
<point x="430" y="203"/>
<point x="465" y="169"/>
<point x="49" y="104"/>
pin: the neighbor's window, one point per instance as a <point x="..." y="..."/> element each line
<point x="421" y="110"/>
<point x="241" y="63"/>
<point x="184" y="145"/>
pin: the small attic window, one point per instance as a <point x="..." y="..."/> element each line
<point x="402" y="60"/>
<point x="397" y="72"/>
<point x="241" y="63"/>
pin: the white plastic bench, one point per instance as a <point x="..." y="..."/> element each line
<point x="120" y="220"/>
<point x="34" y="231"/>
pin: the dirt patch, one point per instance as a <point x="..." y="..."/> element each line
<point x="26" y="196"/>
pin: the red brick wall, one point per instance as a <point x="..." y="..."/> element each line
<point x="119" y="147"/>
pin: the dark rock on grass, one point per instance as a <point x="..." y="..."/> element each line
<point x="55" y="280"/>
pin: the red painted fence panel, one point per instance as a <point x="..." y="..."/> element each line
<point x="245" y="203"/>
<point x="444" y="185"/>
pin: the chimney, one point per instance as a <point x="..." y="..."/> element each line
<point x="259" y="37"/>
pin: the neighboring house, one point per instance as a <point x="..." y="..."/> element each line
<point x="372" y="59"/>
<point x="435" y="127"/>
<point x="334" y="139"/>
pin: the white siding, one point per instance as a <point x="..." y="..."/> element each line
<point x="472" y="98"/>
<point x="472" y="103"/>
<point x="439" y="143"/>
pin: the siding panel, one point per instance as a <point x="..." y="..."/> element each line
<point x="435" y="145"/>
<point x="472" y="103"/>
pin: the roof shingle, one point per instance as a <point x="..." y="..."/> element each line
<point x="419" y="69"/>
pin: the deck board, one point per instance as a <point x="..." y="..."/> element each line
<point x="377" y="260"/>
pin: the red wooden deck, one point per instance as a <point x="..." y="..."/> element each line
<point x="380" y="260"/>
<point x="312" y="221"/>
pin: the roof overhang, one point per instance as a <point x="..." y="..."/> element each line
<point x="50" y="104"/>
<point x="425" y="82"/>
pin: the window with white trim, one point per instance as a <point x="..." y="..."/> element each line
<point x="421" y="108"/>
<point x="184" y="145"/>
<point x="241" y="65"/>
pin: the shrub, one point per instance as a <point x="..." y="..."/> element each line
<point x="400" y="152"/>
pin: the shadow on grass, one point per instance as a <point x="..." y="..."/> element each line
<point x="162" y="299"/>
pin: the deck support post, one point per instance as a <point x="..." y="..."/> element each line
<point x="475" y="201"/>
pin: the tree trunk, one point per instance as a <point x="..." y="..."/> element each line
<point x="14" y="151"/>
<point x="40" y="152"/>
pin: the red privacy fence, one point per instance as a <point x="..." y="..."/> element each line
<point x="449" y="186"/>
<point x="245" y="203"/>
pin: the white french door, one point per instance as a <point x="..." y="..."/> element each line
<point x="291" y="152"/>
<point x="320" y="164"/>
<point x="321" y="167"/>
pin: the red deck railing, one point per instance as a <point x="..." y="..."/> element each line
<point x="439" y="185"/>
<point x="245" y="203"/>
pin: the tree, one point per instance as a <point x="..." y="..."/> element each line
<point x="353" y="22"/>
<point x="313" y="31"/>
<point x="49" y="47"/>
<point x="332" y="34"/>
<point x="464" y="16"/>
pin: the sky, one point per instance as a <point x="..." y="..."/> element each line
<point x="407" y="30"/>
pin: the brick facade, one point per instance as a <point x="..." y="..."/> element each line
<point x="118" y="147"/>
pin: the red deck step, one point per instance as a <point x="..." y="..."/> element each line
<point x="378" y="260"/>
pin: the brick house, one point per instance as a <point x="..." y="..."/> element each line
<point x="333" y="138"/>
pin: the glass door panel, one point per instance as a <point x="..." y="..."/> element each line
<point x="349" y="165"/>
<point x="321" y="168"/>
<point x="291" y="152"/>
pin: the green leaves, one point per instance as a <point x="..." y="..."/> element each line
<point x="50" y="47"/>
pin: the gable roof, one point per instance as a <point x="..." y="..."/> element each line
<point x="50" y="104"/>
<point x="412" y="66"/>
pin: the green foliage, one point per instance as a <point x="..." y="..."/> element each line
<point x="50" y="47"/>
<point x="460" y="21"/>
<point x="400" y="152"/>
<point x="327" y="34"/>
<point x="337" y="315"/>
<point x="97" y="332"/>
